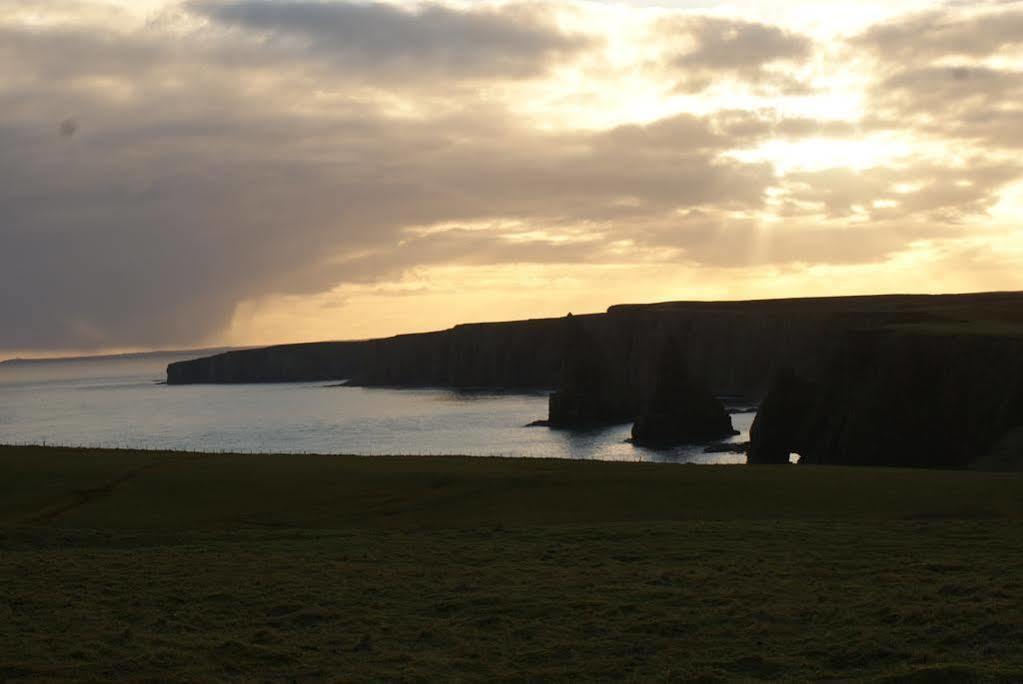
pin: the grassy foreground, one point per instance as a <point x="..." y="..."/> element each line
<point x="157" y="566"/>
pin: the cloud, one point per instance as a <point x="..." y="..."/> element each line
<point x="703" y="49"/>
<point x="936" y="77"/>
<point x="377" y="39"/>
<point x="945" y="32"/>
<point x="924" y="190"/>
<point x="975" y="103"/>
<point x="223" y="152"/>
<point x="184" y="192"/>
<point x="933" y="86"/>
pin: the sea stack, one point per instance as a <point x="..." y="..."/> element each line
<point x="681" y="409"/>
<point x="586" y="395"/>
<point x="779" y="429"/>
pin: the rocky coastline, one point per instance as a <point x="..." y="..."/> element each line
<point x="912" y="380"/>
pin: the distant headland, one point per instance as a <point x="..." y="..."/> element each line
<point x="130" y="356"/>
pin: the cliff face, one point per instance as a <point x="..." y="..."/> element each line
<point x="517" y="354"/>
<point x="283" y="363"/>
<point x="733" y="352"/>
<point x="736" y="348"/>
<point x="909" y="398"/>
<point x="521" y="354"/>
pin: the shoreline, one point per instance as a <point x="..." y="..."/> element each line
<point x="718" y="448"/>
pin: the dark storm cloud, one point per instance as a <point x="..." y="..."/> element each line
<point x="376" y="39"/>
<point x="703" y="49"/>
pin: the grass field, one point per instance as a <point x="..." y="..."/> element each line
<point x="156" y="566"/>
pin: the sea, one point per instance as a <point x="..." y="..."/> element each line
<point x="124" y="403"/>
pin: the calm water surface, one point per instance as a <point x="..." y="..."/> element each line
<point x="121" y="404"/>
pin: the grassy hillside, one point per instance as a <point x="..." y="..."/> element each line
<point x="148" y="566"/>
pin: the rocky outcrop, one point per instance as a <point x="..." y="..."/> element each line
<point x="904" y="398"/>
<point x="779" y="429"/>
<point x="587" y="394"/>
<point x="680" y="409"/>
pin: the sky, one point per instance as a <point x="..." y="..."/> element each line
<point x="238" y="172"/>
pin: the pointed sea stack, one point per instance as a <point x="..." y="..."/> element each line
<point x="681" y="409"/>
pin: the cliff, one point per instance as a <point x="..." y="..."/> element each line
<point x="736" y="348"/>
<point x="282" y="363"/>
<point x="918" y="396"/>
<point x="898" y="380"/>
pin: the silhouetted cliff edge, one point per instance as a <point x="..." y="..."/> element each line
<point x="735" y="347"/>
<point x="282" y="363"/>
<point x="905" y="397"/>
<point x="923" y="358"/>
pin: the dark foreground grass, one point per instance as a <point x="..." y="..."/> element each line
<point x="155" y="566"/>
